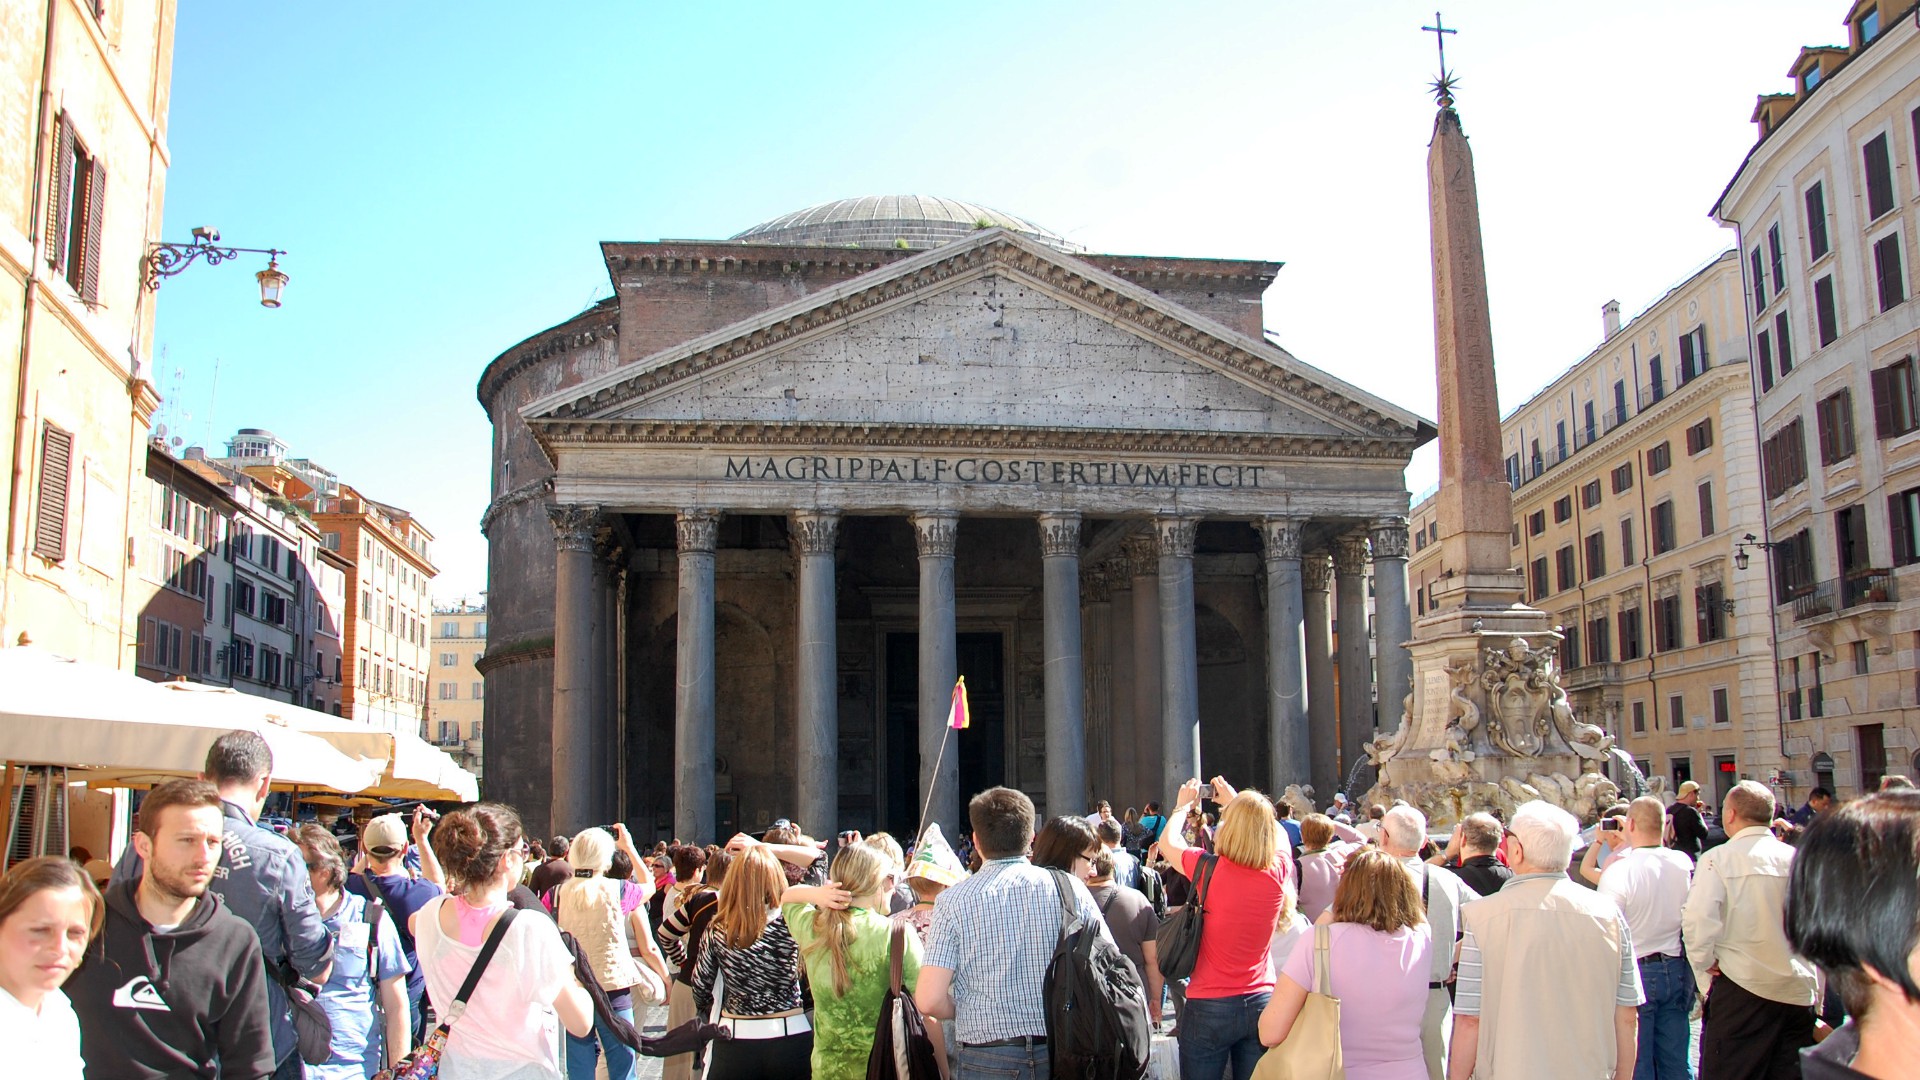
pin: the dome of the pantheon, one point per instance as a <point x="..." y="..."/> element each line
<point x="891" y="221"/>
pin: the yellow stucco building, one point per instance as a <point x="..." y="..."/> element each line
<point x="454" y="714"/>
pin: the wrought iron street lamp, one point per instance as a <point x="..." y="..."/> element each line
<point x="1740" y="557"/>
<point x="164" y="259"/>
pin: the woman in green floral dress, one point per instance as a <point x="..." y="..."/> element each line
<point x="846" y="952"/>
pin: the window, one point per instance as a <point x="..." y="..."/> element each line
<point x="1835" y="416"/>
<point x="1700" y="436"/>
<point x="1590" y="495"/>
<point x="1709" y="614"/>
<point x="448" y="691"/>
<point x="1626" y="541"/>
<point x="1817" y="695"/>
<point x="1896" y="402"/>
<point x="1665" y="537"/>
<point x="1659" y="459"/>
<point x="1722" y="711"/>
<point x="480" y="628"/>
<point x="1513" y="470"/>
<point x="1867" y="27"/>
<point x="474" y="730"/>
<point x="1599" y="641"/>
<point x="1903" y="520"/>
<point x="1570" y="642"/>
<point x="1536" y="523"/>
<point x="1706" y="509"/>
<point x="1871" y="741"/>
<point x="273" y="609"/>
<point x="1824" y="317"/>
<point x="1539" y="578"/>
<point x="1777" y="256"/>
<point x="1676" y="712"/>
<point x="1593" y="428"/>
<point x="1860" y="652"/>
<point x="1596" y="555"/>
<point x="1639" y="717"/>
<point x="1879" y="166"/>
<point x="1816" y="221"/>
<point x="243" y="592"/>
<point x="1783" y="342"/>
<point x="1850" y="541"/>
<point x="1560" y="438"/>
<point x="1792" y="566"/>
<point x="478" y="690"/>
<point x="1783" y="459"/>
<point x="76" y="213"/>
<point x="52" y="493"/>
<point x="1562" y="508"/>
<point x="1759" y="272"/>
<point x="1666" y="623"/>
<point x="1653" y="378"/>
<point x="449" y="629"/>
<point x="1630" y="634"/>
<point x="1619" y="401"/>
<point x="1623" y="478"/>
<point x="448" y="659"/>
<point x="1886" y="272"/>
<point x="1693" y="354"/>
<point x="1564" y="576"/>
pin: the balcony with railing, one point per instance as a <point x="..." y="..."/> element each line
<point x="1835" y="596"/>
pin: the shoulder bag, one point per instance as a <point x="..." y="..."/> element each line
<point x="1178" y="940"/>
<point x="1311" y="1050"/>
<point x="902" y="1049"/>
<point x="310" y="1023"/>
<point x="424" y="1062"/>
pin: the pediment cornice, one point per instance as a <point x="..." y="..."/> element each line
<point x="1177" y="329"/>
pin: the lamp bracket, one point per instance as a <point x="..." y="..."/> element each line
<point x="165" y="259"/>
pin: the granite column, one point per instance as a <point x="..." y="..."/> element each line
<point x="1392" y="620"/>
<point x="1287" y="738"/>
<point x="576" y="612"/>
<point x="1179" y="660"/>
<point x="1065" y="678"/>
<point x="933" y="536"/>
<point x="1143" y="568"/>
<point x="1323" y="718"/>
<point x="1356" y="661"/>
<point x="817" y="763"/>
<point x="695" y="532"/>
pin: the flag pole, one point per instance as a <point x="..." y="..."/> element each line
<point x="932" y="782"/>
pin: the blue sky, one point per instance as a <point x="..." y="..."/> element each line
<point x="441" y="176"/>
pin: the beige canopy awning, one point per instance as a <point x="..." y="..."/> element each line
<point x="109" y="724"/>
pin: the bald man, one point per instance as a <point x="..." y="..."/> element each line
<point x="1649" y="881"/>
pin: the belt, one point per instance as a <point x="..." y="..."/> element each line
<point x="766" y="1027"/>
<point x="1659" y="957"/>
<point x="1436" y="986"/>
<point x="1017" y="1040"/>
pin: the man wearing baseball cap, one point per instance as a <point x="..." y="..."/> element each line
<point x="385" y="876"/>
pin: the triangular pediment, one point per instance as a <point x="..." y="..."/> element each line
<point x="994" y="331"/>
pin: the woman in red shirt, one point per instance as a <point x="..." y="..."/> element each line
<point x="1232" y="977"/>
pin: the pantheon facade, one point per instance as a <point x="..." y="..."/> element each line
<point x="755" y="513"/>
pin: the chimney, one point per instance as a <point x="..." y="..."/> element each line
<point x="1609" y="320"/>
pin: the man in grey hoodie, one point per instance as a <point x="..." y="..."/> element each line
<point x="174" y="985"/>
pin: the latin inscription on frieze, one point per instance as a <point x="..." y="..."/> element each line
<point x="1037" y="472"/>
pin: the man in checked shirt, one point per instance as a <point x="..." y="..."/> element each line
<point x="986" y="958"/>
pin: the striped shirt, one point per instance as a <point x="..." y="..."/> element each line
<point x="996" y="932"/>
<point x="1466" y="1000"/>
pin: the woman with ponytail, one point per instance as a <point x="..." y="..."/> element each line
<point x="845" y="944"/>
<point x="589" y="907"/>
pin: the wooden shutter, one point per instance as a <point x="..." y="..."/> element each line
<point x="1883" y="403"/>
<point x="1901" y="528"/>
<point x="57" y="207"/>
<point x="52" y="495"/>
<point x="92" y="219"/>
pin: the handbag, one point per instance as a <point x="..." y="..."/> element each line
<point x="310" y="1023"/>
<point x="1178" y="940"/>
<point x="424" y="1062"/>
<point x="1311" y="1050"/>
<point x="902" y="1049"/>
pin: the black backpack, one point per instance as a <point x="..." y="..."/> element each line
<point x="1097" y="1025"/>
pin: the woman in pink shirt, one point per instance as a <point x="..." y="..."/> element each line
<point x="1378" y="961"/>
<point x="1242" y="893"/>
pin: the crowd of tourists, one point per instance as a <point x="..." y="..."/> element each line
<point x="1256" y="940"/>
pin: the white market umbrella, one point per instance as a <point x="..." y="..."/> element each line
<point x="114" y="724"/>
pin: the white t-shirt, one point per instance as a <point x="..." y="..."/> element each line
<point x="43" y="1045"/>
<point x="1650" y="885"/>
<point x="509" y="1030"/>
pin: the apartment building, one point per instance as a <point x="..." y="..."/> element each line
<point x="455" y="714"/>
<point x="1635" y="477"/>
<point x="1826" y="206"/>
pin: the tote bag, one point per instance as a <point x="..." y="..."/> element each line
<point x="1311" y="1050"/>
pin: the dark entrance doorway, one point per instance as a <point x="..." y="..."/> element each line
<point x="980" y="750"/>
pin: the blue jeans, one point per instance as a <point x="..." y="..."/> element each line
<point x="1664" y="1035"/>
<point x="1216" y="1033"/>
<point x="1001" y="1063"/>
<point x="582" y="1054"/>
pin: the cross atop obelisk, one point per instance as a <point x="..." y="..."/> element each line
<point x="1442" y="86"/>
<point x="1475" y="502"/>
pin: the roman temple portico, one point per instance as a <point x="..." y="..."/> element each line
<point x="756" y="513"/>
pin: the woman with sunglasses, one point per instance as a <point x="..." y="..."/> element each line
<point x="369" y="968"/>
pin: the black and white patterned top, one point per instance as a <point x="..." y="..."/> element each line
<point x="760" y="980"/>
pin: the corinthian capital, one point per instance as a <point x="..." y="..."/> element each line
<point x="1176" y="535"/>
<point x="1141" y="554"/>
<point x="696" y="530"/>
<point x="1315" y="569"/>
<point x="1350" y="555"/>
<point x="815" y="531"/>
<point x="574" y="525"/>
<point x="1389" y="538"/>
<point x="1280" y="537"/>
<point x="1060" y="533"/>
<point x="934" y="532"/>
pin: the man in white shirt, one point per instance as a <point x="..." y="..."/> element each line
<point x="1401" y="831"/>
<point x="1759" y="1010"/>
<point x="1649" y="881"/>
<point x="1126" y="868"/>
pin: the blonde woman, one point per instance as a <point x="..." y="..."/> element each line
<point x="589" y="907"/>
<point x="846" y="947"/>
<point x="1243" y="890"/>
<point x="1377" y="962"/>
<point x="751" y="953"/>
